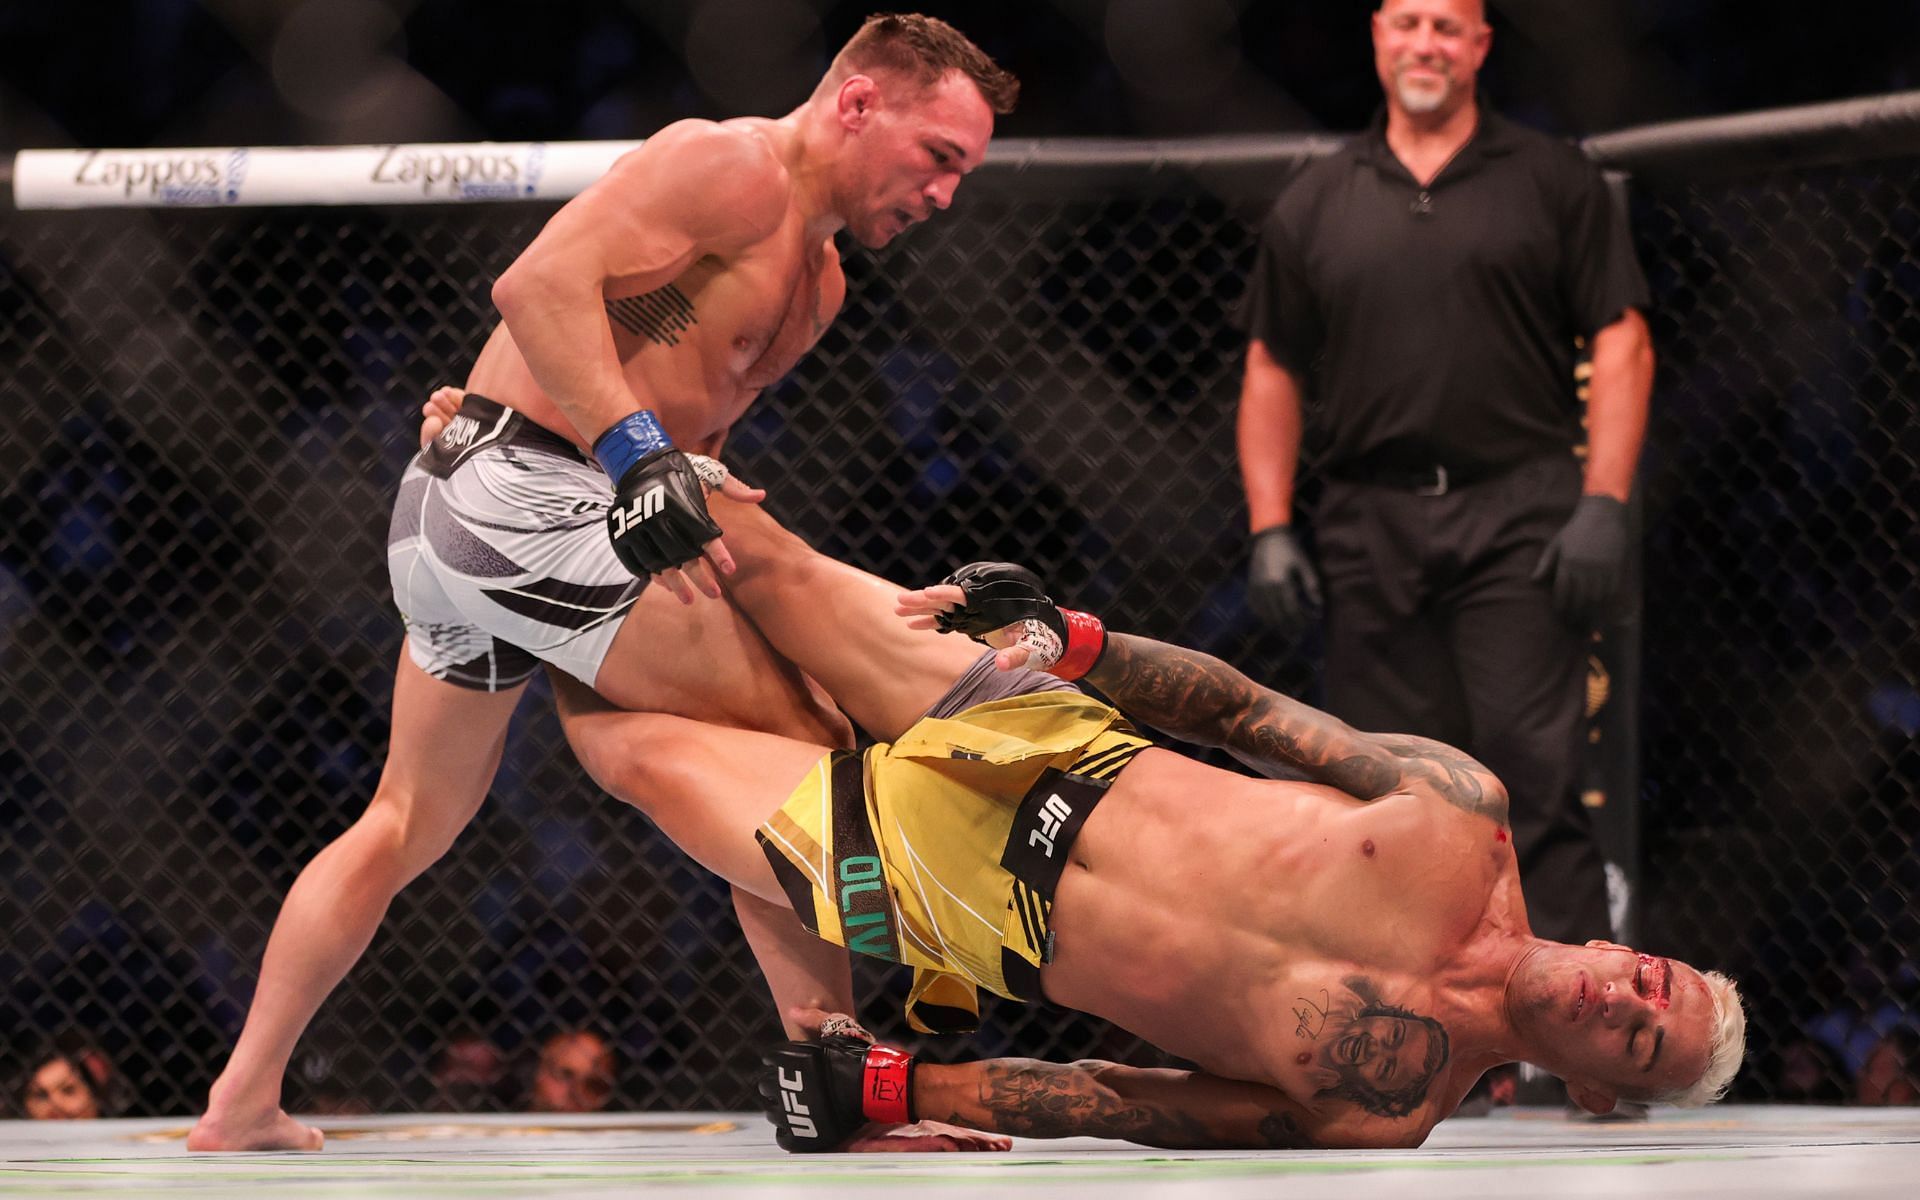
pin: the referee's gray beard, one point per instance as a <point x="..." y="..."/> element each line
<point x="1418" y="100"/>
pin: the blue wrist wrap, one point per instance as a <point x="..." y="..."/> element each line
<point x="629" y="440"/>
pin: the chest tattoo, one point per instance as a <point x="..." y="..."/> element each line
<point x="1312" y="1015"/>
<point x="660" y="316"/>
<point x="1379" y="1056"/>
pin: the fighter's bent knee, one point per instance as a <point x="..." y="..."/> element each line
<point x="830" y="726"/>
<point x="617" y="749"/>
<point x="596" y="742"/>
<point x="405" y="841"/>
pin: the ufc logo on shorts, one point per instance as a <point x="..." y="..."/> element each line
<point x="1052" y="815"/>
<point x="645" y="505"/>
<point x="799" y="1123"/>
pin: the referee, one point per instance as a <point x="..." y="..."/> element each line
<point x="1426" y="287"/>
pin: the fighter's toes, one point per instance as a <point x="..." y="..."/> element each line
<point x="277" y="1132"/>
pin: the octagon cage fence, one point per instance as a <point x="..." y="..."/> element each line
<point x="207" y="411"/>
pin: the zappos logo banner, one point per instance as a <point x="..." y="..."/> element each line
<point x="166" y="177"/>
<point x="536" y="167"/>
<point x="216" y="176"/>
<point x="458" y="174"/>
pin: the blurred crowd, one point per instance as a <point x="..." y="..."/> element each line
<point x="70" y="1078"/>
<point x="206" y="72"/>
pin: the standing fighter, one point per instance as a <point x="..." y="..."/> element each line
<point x="642" y="322"/>
<point x="1342" y="958"/>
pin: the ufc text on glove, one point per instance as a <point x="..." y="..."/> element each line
<point x="659" y="517"/>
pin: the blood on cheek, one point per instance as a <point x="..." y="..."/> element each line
<point x="1657" y="995"/>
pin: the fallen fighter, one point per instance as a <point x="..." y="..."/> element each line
<point x="1342" y="958"/>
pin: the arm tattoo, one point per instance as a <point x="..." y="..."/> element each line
<point x="1458" y="777"/>
<point x="1048" y="1100"/>
<point x="1201" y="699"/>
<point x="1280" y="1131"/>
<point x="1028" y="1098"/>
<point x="1380" y="1058"/>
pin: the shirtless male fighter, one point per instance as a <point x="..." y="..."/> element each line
<point x="1342" y="958"/>
<point x="644" y="319"/>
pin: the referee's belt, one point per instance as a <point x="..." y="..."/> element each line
<point x="1435" y="480"/>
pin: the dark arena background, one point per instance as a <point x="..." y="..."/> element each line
<point x="204" y="414"/>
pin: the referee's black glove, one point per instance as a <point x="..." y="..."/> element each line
<point x="1282" y="587"/>
<point x="1585" y="561"/>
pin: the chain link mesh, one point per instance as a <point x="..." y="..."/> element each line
<point x="1780" y="706"/>
<point x="206" y="415"/>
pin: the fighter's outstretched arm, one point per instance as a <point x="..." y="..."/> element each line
<point x="1197" y="697"/>
<point x="1178" y="1110"/>
<point x="820" y="1094"/>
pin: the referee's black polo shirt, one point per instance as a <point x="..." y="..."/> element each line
<point x="1435" y="326"/>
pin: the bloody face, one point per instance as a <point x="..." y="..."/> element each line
<point x="1636" y="1024"/>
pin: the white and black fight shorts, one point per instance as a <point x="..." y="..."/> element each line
<point x="499" y="553"/>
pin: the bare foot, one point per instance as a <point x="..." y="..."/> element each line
<point x="926" y="1137"/>
<point x="277" y="1131"/>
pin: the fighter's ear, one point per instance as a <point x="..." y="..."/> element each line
<point x="1604" y="944"/>
<point x="1597" y="1100"/>
<point x="858" y="97"/>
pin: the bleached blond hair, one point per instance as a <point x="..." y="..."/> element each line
<point x="1726" y="1046"/>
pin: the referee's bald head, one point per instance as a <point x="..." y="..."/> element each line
<point x="1428" y="53"/>
<point x="1477" y="9"/>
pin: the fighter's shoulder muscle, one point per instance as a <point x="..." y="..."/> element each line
<point x="1432" y="768"/>
<point x="721" y="182"/>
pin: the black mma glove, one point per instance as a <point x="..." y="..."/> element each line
<point x="819" y="1094"/>
<point x="1059" y="640"/>
<point x="1585" y="561"/>
<point x="659" y="516"/>
<point x="1282" y="587"/>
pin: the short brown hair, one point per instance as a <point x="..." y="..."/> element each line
<point x="924" y="49"/>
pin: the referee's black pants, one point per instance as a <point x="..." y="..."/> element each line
<point x="1434" y="628"/>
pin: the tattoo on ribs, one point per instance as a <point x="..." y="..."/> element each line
<point x="660" y="316"/>
<point x="1379" y="1056"/>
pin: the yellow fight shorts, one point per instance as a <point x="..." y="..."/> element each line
<point x="941" y="851"/>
